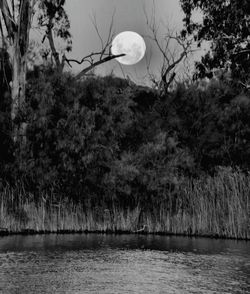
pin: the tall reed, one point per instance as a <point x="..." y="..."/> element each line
<point x="212" y="206"/>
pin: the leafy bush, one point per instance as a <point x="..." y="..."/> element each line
<point x="74" y="132"/>
<point x="97" y="141"/>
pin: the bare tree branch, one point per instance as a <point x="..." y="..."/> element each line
<point x="107" y="45"/>
<point x="2" y="35"/>
<point x="13" y="9"/>
<point x="8" y="18"/>
<point x="88" y="58"/>
<point x="169" y="59"/>
<point x="52" y="44"/>
<point x="94" y="64"/>
<point x="96" y="58"/>
<point x="241" y="52"/>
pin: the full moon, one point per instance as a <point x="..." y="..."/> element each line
<point x="131" y="44"/>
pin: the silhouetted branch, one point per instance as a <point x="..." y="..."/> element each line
<point x="96" y="58"/>
<point x="88" y="58"/>
<point x="107" y="44"/>
<point x="94" y="64"/>
<point x="169" y="60"/>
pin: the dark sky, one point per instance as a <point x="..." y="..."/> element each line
<point x="129" y="16"/>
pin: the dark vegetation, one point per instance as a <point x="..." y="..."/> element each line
<point x="102" y="154"/>
<point x="102" y="145"/>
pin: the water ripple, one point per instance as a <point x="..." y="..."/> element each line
<point x="116" y="264"/>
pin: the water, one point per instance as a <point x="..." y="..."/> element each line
<point x="123" y="264"/>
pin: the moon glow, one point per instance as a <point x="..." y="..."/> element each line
<point x="131" y="44"/>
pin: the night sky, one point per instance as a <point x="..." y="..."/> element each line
<point x="129" y="16"/>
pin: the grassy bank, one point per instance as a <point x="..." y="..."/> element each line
<point x="212" y="206"/>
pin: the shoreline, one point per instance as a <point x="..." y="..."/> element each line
<point x="30" y="232"/>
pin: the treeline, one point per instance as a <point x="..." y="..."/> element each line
<point x="104" y="136"/>
<point x="106" y="144"/>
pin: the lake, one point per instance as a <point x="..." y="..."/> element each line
<point x="92" y="263"/>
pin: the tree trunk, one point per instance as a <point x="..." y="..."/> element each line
<point x="19" y="67"/>
<point x="18" y="92"/>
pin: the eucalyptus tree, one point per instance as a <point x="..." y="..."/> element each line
<point x="226" y="25"/>
<point x="15" y="23"/>
<point x="16" y="18"/>
<point x="54" y="20"/>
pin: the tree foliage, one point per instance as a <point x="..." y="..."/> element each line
<point x="54" y="19"/>
<point x="226" y="24"/>
<point x="102" y="140"/>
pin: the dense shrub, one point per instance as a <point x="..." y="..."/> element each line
<point x="103" y="140"/>
<point x="74" y="132"/>
<point x="213" y="123"/>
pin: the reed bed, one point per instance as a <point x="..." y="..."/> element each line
<point x="210" y="206"/>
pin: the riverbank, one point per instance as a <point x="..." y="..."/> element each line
<point x="27" y="232"/>
<point x="213" y="207"/>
